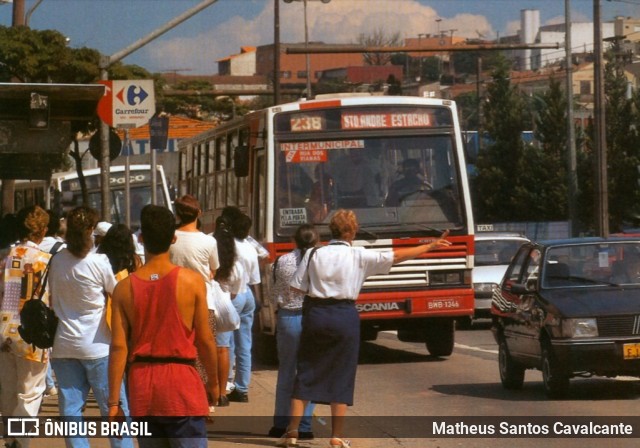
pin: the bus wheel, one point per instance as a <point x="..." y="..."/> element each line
<point x="368" y="333"/>
<point x="440" y="336"/>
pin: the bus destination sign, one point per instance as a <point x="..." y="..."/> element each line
<point x="380" y="120"/>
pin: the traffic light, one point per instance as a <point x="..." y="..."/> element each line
<point x="38" y="111"/>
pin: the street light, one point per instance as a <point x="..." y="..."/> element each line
<point x="419" y="77"/>
<point x="306" y="44"/>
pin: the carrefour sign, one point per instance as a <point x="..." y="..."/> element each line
<point x="127" y="103"/>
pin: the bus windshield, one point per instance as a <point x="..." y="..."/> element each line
<point x="394" y="183"/>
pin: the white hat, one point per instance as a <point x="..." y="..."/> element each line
<point x="101" y="228"/>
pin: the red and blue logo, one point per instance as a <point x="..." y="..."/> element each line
<point x="132" y="95"/>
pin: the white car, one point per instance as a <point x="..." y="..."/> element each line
<point x="493" y="253"/>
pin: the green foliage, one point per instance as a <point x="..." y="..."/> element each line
<point x="468" y="108"/>
<point x="502" y="187"/>
<point x="551" y="133"/>
<point x="32" y="55"/>
<point x="623" y="151"/>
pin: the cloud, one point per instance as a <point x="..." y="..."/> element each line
<point x="340" y="21"/>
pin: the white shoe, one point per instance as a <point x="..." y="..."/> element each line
<point x="230" y="387"/>
<point x="51" y="391"/>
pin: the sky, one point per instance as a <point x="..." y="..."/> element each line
<point x="194" y="46"/>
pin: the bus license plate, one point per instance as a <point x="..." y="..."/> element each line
<point x="631" y="351"/>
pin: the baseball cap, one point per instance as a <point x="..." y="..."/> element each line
<point x="101" y="228"/>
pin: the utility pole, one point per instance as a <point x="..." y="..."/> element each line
<point x="600" y="141"/>
<point x="105" y="63"/>
<point x="276" y="52"/>
<point x="571" y="136"/>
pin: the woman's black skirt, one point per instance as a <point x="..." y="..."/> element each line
<point x="328" y="355"/>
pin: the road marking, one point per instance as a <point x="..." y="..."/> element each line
<point x="465" y="347"/>
<point x="477" y="349"/>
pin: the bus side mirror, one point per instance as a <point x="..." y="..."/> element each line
<point x="241" y="161"/>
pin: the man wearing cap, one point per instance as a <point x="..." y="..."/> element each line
<point x="99" y="232"/>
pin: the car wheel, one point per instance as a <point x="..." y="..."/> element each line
<point x="440" y="337"/>
<point x="511" y="373"/>
<point x="556" y="383"/>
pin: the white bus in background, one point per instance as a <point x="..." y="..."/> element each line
<point x="63" y="193"/>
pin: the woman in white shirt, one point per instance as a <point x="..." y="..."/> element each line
<point x="229" y="276"/>
<point x="79" y="281"/>
<point x="331" y="277"/>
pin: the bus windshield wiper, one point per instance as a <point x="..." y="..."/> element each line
<point x="436" y="230"/>
<point x="368" y="233"/>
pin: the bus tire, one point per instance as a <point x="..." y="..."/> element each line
<point x="368" y="333"/>
<point x="440" y="337"/>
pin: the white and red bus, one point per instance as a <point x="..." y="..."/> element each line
<point x="398" y="162"/>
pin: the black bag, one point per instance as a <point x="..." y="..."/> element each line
<point x="38" y="322"/>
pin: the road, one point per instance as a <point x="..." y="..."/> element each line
<point x="400" y="379"/>
<point x="401" y="392"/>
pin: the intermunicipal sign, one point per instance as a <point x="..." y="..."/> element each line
<point x="127" y="103"/>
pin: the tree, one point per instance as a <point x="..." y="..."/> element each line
<point x="28" y="55"/>
<point x="623" y="154"/>
<point x="551" y="132"/>
<point x="500" y="190"/>
<point x="378" y="38"/>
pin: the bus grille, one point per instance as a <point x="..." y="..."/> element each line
<point x="415" y="273"/>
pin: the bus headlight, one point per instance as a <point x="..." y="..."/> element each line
<point x="579" y="328"/>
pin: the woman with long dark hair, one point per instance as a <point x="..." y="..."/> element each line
<point x="289" y="305"/>
<point x="120" y="249"/>
<point x="230" y="279"/>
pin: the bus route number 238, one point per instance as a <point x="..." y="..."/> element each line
<point x="302" y="123"/>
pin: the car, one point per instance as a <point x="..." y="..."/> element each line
<point x="569" y="308"/>
<point x="493" y="253"/>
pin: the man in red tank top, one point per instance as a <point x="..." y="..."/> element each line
<point x="159" y="333"/>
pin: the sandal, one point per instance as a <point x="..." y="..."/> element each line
<point x="341" y="443"/>
<point x="288" y="440"/>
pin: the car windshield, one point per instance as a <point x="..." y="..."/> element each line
<point x="495" y="251"/>
<point x="592" y="264"/>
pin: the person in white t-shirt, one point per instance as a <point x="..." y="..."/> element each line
<point x="79" y="281"/>
<point x="230" y="277"/>
<point x="245" y="304"/>
<point x="195" y="250"/>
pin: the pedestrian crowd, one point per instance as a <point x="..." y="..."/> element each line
<point x="145" y="334"/>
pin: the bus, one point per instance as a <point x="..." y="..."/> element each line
<point x="63" y="192"/>
<point x="397" y="162"/>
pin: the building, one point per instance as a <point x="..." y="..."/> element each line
<point x="363" y="74"/>
<point x="139" y="144"/>
<point x="293" y="72"/>
<point x="532" y="33"/>
<point x="242" y="64"/>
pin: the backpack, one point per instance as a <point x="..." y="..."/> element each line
<point x="38" y="322"/>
